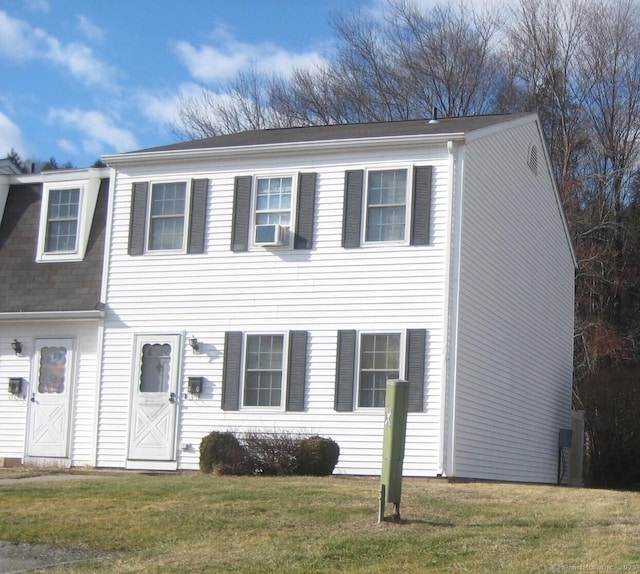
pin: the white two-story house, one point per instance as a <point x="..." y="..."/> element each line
<point x="274" y="280"/>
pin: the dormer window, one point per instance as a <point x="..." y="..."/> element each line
<point x="62" y="221"/>
<point x="67" y="209"/>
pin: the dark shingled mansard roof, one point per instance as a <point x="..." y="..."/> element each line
<point x="340" y="132"/>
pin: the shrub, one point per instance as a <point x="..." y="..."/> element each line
<point x="317" y="456"/>
<point x="267" y="454"/>
<point x="222" y="452"/>
<point x="273" y="454"/>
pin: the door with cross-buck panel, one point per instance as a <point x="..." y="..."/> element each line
<point x="52" y="382"/>
<point x="154" y="398"/>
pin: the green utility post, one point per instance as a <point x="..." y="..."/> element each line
<point x="395" y="429"/>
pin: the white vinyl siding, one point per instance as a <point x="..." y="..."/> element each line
<point x="514" y="347"/>
<point x="261" y="291"/>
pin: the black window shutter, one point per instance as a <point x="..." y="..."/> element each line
<point x="138" y="219"/>
<point x="421" y="215"/>
<point x="416" y="349"/>
<point x="297" y="371"/>
<point x="241" y="213"/>
<point x="198" y="215"/>
<point x="352" y="215"/>
<point x="232" y="370"/>
<point x="304" y="216"/>
<point x="345" y="371"/>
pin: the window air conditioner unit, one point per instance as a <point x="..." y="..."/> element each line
<point x="272" y="234"/>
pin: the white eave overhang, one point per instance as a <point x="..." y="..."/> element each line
<point x="315" y="146"/>
<point x="59" y="175"/>
<point x="88" y="315"/>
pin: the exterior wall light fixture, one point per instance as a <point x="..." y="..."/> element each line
<point x="194" y="344"/>
<point x="16" y="346"/>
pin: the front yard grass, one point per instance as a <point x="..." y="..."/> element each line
<point x="191" y="522"/>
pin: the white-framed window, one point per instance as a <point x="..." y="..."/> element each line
<point x="387" y="205"/>
<point x="167" y="216"/>
<point x="65" y="216"/>
<point x="379" y="361"/>
<point x="264" y="370"/>
<point x="63" y="210"/>
<point x="273" y="210"/>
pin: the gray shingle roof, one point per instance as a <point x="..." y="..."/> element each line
<point x="342" y="131"/>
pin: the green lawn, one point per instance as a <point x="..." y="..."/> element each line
<point x="196" y="523"/>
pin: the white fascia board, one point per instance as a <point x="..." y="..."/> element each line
<point x="60" y="175"/>
<point x="92" y="314"/>
<point x="270" y="149"/>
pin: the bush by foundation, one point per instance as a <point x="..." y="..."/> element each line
<point x="268" y="454"/>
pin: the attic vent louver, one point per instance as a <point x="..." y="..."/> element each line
<point x="532" y="161"/>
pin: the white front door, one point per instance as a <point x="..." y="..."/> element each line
<point x="154" y="398"/>
<point x="50" y="399"/>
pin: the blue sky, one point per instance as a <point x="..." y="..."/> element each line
<point x="82" y="78"/>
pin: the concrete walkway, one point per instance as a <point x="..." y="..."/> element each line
<point x="16" y="558"/>
<point x="51" y="478"/>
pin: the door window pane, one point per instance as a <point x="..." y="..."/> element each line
<point x="53" y="367"/>
<point x="156" y="368"/>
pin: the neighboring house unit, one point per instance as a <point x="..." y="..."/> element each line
<point x="308" y="265"/>
<point x="52" y="229"/>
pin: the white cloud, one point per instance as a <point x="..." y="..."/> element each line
<point x="209" y="64"/>
<point x="11" y="137"/>
<point x="220" y="62"/>
<point x="89" y="30"/>
<point x="161" y="107"/>
<point x="19" y="41"/>
<point x="100" y="132"/>
<point x="80" y="61"/>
